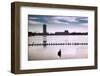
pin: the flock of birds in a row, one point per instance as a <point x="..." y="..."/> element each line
<point x="41" y="44"/>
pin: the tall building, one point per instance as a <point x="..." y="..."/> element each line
<point x="44" y="29"/>
<point x="44" y="36"/>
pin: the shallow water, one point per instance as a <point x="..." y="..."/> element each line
<point x="50" y="52"/>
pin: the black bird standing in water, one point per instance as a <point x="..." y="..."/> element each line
<point x="59" y="53"/>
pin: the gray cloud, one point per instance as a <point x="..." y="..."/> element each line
<point x="69" y="20"/>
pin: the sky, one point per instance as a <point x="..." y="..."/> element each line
<point x="57" y="23"/>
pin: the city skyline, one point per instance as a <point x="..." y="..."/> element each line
<point x="65" y="32"/>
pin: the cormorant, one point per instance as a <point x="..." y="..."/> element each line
<point x="59" y="53"/>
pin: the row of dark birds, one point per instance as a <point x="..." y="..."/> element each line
<point x="47" y="44"/>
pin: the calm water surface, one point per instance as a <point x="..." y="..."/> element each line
<point x="50" y="52"/>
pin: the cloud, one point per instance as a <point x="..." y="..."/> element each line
<point x="69" y="20"/>
<point x="31" y="22"/>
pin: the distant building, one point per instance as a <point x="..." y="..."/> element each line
<point x="44" y="37"/>
<point x="62" y="33"/>
<point x="44" y="29"/>
<point x="66" y="31"/>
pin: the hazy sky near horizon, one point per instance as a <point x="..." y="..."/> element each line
<point x="57" y="23"/>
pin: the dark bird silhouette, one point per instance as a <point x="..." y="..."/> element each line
<point x="59" y="53"/>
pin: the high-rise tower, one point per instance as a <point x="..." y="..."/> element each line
<point x="44" y="35"/>
<point x="44" y="29"/>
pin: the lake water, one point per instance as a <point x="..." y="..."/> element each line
<point x="50" y="52"/>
